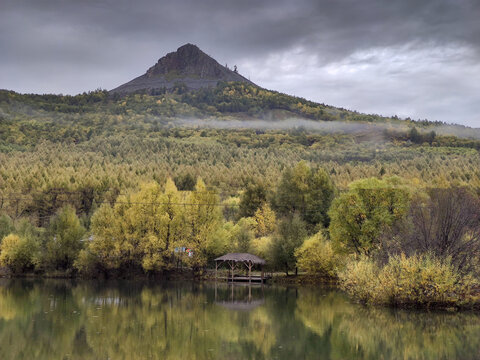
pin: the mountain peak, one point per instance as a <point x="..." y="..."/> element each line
<point x="188" y="59"/>
<point x="188" y="65"/>
<point x="189" y="48"/>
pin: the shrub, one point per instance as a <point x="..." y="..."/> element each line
<point x="360" y="279"/>
<point x="421" y="279"/>
<point x="316" y="256"/>
<point x="86" y="263"/>
<point x="418" y="280"/>
<point x="19" y="254"/>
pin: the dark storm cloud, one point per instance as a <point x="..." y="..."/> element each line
<point x="356" y="54"/>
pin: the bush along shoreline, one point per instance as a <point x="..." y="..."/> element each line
<point x="419" y="281"/>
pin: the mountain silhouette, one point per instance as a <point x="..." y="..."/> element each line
<point x="188" y="66"/>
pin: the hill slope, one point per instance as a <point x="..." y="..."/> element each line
<point x="188" y="66"/>
<point x="86" y="149"/>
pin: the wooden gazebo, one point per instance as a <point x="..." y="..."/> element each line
<point x="249" y="260"/>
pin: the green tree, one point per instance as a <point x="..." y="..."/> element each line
<point x="244" y="234"/>
<point x="415" y="136"/>
<point x="307" y="192"/>
<point x="291" y="233"/>
<point x="6" y="226"/>
<point x="382" y="171"/>
<point x="185" y="182"/>
<point x="359" y="216"/>
<point x="64" y="235"/>
<point x="319" y="197"/>
<point x="222" y="241"/>
<point x="263" y="247"/>
<point x="291" y="191"/>
<point x="254" y="196"/>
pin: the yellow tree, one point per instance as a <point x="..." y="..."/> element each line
<point x="103" y="247"/>
<point x="140" y="230"/>
<point x="18" y="253"/>
<point x="264" y="220"/>
<point x="164" y="229"/>
<point x="204" y="218"/>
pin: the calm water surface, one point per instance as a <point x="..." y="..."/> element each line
<point x="132" y="320"/>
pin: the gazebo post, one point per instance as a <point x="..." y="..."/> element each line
<point x="261" y="268"/>
<point x="216" y="268"/>
<point x="249" y="271"/>
<point x="232" y="266"/>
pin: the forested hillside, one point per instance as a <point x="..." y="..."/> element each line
<point x="100" y="143"/>
<point x="91" y="147"/>
<point x="94" y="182"/>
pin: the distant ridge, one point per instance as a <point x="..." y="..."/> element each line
<point x="188" y="65"/>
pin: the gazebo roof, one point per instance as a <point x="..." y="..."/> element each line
<point x="241" y="257"/>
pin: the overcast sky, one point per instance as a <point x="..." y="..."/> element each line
<point x="413" y="58"/>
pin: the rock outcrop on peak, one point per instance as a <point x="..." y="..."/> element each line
<point x="188" y="66"/>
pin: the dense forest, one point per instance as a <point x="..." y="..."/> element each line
<point x="105" y="184"/>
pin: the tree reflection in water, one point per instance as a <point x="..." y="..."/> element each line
<point x="132" y="320"/>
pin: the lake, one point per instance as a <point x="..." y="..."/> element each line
<point x="58" y="319"/>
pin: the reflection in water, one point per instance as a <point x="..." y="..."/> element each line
<point x="239" y="296"/>
<point x="128" y="320"/>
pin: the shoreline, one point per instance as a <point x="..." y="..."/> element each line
<point x="208" y="275"/>
<point x="278" y="279"/>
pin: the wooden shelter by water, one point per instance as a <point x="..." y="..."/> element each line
<point x="249" y="260"/>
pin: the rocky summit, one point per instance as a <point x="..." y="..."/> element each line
<point x="188" y="67"/>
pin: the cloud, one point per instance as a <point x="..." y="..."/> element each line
<point x="435" y="82"/>
<point x="414" y="58"/>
